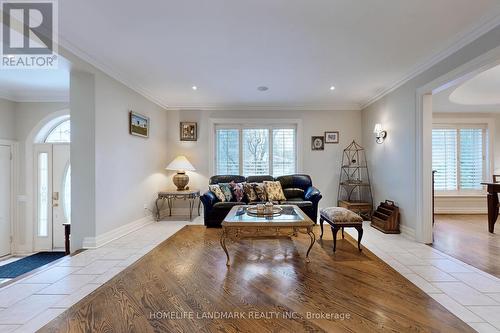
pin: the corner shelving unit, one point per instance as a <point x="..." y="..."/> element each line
<point x="355" y="191"/>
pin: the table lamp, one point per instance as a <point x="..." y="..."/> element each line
<point x="181" y="165"/>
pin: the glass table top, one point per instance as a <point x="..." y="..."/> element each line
<point x="290" y="214"/>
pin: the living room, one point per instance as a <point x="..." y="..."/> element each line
<point x="109" y="152"/>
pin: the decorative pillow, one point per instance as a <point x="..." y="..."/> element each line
<point x="260" y="190"/>
<point x="226" y="190"/>
<point x="274" y="191"/>
<point x="250" y="192"/>
<point x="215" y="189"/>
<point x="237" y="190"/>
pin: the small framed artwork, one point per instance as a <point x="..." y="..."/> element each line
<point x="189" y="131"/>
<point x="318" y="143"/>
<point x="138" y="124"/>
<point x="332" y="137"/>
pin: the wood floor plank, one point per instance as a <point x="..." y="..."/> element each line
<point x="269" y="284"/>
<point x="466" y="238"/>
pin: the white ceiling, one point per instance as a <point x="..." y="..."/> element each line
<point x="478" y="94"/>
<point x="297" y="48"/>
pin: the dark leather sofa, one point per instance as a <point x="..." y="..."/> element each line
<point x="298" y="190"/>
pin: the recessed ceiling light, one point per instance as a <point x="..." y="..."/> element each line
<point x="332" y="88"/>
<point x="194" y="87"/>
<point x="262" y="88"/>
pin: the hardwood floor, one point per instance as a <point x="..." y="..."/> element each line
<point x="466" y="237"/>
<point x="186" y="278"/>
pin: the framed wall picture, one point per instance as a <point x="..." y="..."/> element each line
<point x="318" y="143"/>
<point x="189" y="131"/>
<point x="138" y="124"/>
<point x="332" y="137"/>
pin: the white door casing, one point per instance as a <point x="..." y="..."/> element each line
<point x="5" y="200"/>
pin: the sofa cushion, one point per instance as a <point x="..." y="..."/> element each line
<point x="250" y="192"/>
<point x="260" y="190"/>
<point x="237" y="191"/>
<point x="215" y="189"/>
<point x="339" y="215"/>
<point x="295" y="181"/>
<point x="226" y="179"/>
<point x="293" y="193"/>
<point x="226" y="190"/>
<point x="227" y="205"/>
<point x="259" y="179"/>
<point x="274" y="191"/>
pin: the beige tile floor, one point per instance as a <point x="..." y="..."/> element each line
<point x="28" y="304"/>
<point x="469" y="293"/>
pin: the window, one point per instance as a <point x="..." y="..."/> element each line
<point x="43" y="194"/>
<point x="459" y="157"/>
<point x="60" y="133"/>
<point x="255" y="150"/>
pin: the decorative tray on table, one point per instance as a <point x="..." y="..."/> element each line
<point x="254" y="211"/>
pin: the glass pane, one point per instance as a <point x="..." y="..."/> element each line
<point x="43" y="194"/>
<point x="255" y="151"/>
<point x="444" y="159"/>
<point x="284" y="151"/>
<point x="67" y="194"/>
<point x="228" y="152"/>
<point x="61" y="133"/>
<point x="471" y="158"/>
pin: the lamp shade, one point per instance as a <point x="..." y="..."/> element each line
<point x="377" y="129"/>
<point x="180" y="163"/>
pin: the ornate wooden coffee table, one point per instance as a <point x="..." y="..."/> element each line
<point x="238" y="224"/>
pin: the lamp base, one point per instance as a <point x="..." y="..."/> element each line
<point x="180" y="180"/>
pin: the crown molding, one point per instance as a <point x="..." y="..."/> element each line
<point x="487" y="24"/>
<point x="333" y="107"/>
<point x="76" y="51"/>
<point x="34" y="96"/>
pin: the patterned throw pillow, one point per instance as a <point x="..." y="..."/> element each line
<point x="226" y="189"/>
<point x="250" y="192"/>
<point x="274" y="191"/>
<point x="237" y="189"/>
<point x="260" y="190"/>
<point x="215" y="189"/>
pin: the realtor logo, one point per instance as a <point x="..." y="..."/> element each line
<point x="29" y="34"/>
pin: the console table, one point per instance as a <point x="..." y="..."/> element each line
<point x="190" y="195"/>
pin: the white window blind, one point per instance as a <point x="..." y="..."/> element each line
<point x="228" y="153"/>
<point x="458" y="156"/>
<point x="284" y="159"/>
<point x="256" y="150"/>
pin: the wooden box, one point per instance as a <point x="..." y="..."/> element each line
<point x="361" y="208"/>
<point x="386" y="218"/>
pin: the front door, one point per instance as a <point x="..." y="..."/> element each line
<point x="53" y="195"/>
<point x="5" y="200"/>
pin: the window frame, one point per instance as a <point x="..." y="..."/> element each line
<point x="269" y="124"/>
<point x="488" y="126"/>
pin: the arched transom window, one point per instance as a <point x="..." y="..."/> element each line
<point x="60" y="134"/>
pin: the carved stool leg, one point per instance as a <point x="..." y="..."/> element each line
<point x="360" y="235"/>
<point x="335" y="229"/>
<point x="321" y="220"/>
<point x="343" y="233"/>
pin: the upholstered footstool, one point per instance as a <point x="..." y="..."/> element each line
<point x="340" y="218"/>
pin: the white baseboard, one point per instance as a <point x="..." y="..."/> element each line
<point x="95" y="242"/>
<point x="407" y="232"/>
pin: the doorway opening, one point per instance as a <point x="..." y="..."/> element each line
<point x="6" y="194"/>
<point x="457" y="150"/>
<point x="52" y="185"/>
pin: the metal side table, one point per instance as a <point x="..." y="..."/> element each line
<point x="190" y="195"/>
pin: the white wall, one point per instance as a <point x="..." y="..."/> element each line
<point x="129" y="169"/>
<point x="322" y="166"/>
<point x="7" y="120"/>
<point x="393" y="163"/>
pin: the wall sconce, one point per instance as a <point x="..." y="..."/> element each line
<point x="380" y="134"/>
